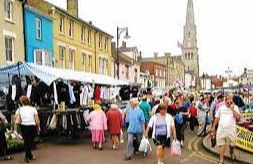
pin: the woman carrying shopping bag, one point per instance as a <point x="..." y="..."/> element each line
<point x="27" y="117"/>
<point x="163" y="126"/>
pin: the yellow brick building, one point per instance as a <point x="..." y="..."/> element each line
<point x="78" y="44"/>
<point x="11" y="32"/>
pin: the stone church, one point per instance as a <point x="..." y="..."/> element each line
<point x="189" y="48"/>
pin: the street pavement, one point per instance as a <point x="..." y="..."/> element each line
<point x="241" y="155"/>
<point x="57" y="151"/>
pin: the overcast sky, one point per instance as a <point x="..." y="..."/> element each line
<point x="225" y="28"/>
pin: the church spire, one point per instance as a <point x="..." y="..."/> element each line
<point x="190" y="49"/>
<point x="190" y="14"/>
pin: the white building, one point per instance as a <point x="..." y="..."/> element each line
<point x="129" y="68"/>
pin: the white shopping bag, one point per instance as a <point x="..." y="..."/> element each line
<point x="145" y="145"/>
<point x="175" y="148"/>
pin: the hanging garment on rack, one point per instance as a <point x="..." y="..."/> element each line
<point x="53" y="122"/>
<point x="102" y="92"/>
<point x="91" y="92"/>
<point x="55" y="94"/>
<point x="84" y="96"/>
<point x="97" y="93"/>
<point x="106" y="93"/>
<point x="78" y="121"/>
<point x="71" y="94"/>
<point x="77" y="92"/>
<point x="13" y="92"/>
<point x="85" y="115"/>
<point x="125" y="93"/>
<point x="135" y="91"/>
<point x="63" y="92"/>
<point x="64" y="122"/>
<point x="29" y="91"/>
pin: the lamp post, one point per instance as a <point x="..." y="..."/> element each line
<point x="119" y="32"/>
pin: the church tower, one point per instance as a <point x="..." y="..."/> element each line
<point x="190" y="50"/>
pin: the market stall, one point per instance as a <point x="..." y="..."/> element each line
<point x="245" y="132"/>
<point x="51" y="89"/>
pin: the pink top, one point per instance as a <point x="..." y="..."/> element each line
<point x="97" y="120"/>
<point x="219" y="105"/>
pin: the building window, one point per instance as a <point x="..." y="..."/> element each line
<point x="61" y="25"/>
<point x="38" y="57"/>
<point x="135" y="75"/>
<point x="61" y="56"/>
<point x="47" y="58"/>
<point x="161" y="73"/>
<point x="185" y="55"/>
<point x="8" y="9"/>
<point x="90" y="63"/>
<point x="42" y="58"/>
<point x="38" y="28"/>
<point x="127" y="71"/>
<point x="100" y="41"/>
<point x="9" y="48"/>
<point x="191" y="55"/>
<point x="83" y="34"/>
<point x="164" y="74"/>
<point x="84" y="61"/>
<point x="89" y="36"/>
<point x="71" y="58"/>
<point x="106" y="43"/>
<point x="103" y="65"/>
<point x="71" y="28"/>
<point x="156" y="72"/>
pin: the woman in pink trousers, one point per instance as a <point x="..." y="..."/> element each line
<point x="98" y="124"/>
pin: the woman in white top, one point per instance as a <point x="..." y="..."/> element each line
<point x="30" y="124"/>
<point x="163" y="126"/>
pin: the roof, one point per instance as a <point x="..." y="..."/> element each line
<point x="127" y="49"/>
<point x="38" y="12"/>
<point x="145" y="60"/>
<point x="178" y="59"/>
<point x="123" y="58"/>
<point x="50" y="74"/>
<point x="76" y="18"/>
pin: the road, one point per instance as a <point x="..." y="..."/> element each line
<point x="81" y="152"/>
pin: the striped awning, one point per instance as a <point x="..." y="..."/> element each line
<point x="50" y="74"/>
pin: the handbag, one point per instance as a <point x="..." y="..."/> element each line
<point x="18" y="118"/>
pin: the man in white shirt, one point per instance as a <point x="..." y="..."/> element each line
<point x="226" y="116"/>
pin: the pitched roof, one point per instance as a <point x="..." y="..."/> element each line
<point x="147" y="60"/>
<point x="76" y="18"/>
<point x="178" y="59"/>
<point x="127" y="49"/>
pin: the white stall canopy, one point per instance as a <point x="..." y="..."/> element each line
<point x="50" y="74"/>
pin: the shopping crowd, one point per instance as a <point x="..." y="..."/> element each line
<point x="163" y="119"/>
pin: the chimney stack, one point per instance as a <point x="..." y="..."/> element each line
<point x="123" y="44"/>
<point x="72" y="7"/>
<point x="155" y="55"/>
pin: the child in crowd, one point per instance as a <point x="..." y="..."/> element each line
<point x="193" y="116"/>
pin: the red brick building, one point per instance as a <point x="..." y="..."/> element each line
<point x="156" y="70"/>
